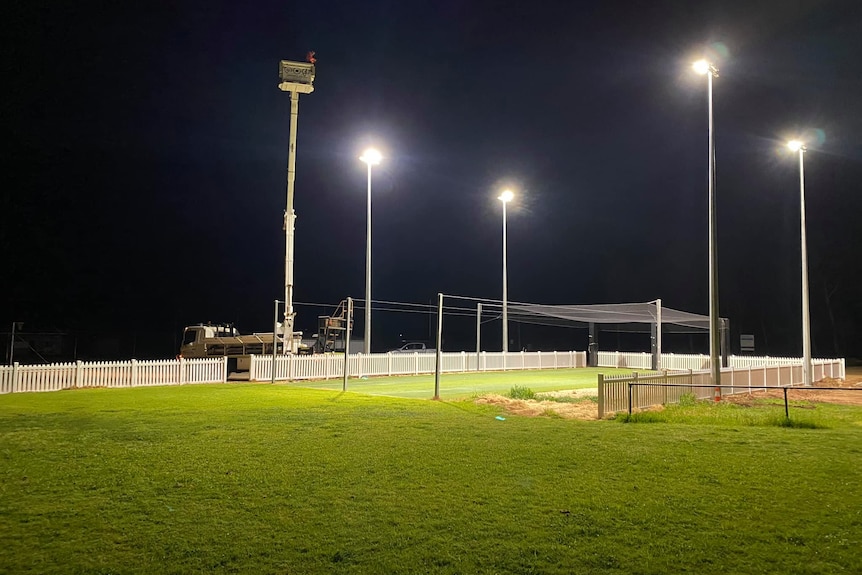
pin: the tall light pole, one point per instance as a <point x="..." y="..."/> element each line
<point x="296" y="78"/>
<point x="505" y="197"/>
<point x="372" y="158"/>
<point x="798" y="146"/>
<point x="703" y="67"/>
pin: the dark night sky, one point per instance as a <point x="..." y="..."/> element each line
<point x="145" y="158"/>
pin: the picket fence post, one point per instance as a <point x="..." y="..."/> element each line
<point x="182" y="377"/>
<point x="79" y="373"/>
<point x="601" y="396"/>
<point x="134" y="373"/>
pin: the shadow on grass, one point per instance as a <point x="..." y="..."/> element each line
<point x="642" y="417"/>
<point x="795" y="423"/>
<point x="337" y="396"/>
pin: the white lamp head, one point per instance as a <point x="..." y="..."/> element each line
<point x="371" y="157"/>
<point x="702" y="67"/>
<point x="796" y="145"/>
<point x="506" y="196"/>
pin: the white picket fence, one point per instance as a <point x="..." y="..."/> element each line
<point x="696" y="362"/>
<point x="133" y="373"/>
<point x="378" y="364"/>
<point x="614" y="390"/>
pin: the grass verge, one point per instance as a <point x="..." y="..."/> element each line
<point x="276" y="479"/>
<point x="757" y="412"/>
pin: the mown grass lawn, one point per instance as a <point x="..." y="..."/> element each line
<point x="276" y="479"/>
<point x="461" y="385"/>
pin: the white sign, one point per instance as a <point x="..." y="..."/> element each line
<point x="746" y="343"/>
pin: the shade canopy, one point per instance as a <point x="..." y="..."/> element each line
<point x="634" y="317"/>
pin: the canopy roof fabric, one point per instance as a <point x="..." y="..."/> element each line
<point x="624" y="316"/>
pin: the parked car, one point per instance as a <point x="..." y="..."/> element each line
<point x="414" y="347"/>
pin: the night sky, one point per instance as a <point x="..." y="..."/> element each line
<point x="145" y="157"/>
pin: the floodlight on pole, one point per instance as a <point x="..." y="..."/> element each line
<point x="371" y="157"/>
<point x="505" y="197"/>
<point x="799" y="146"/>
<point x="704" y="67"/>
<point x="296" y="78"/>
<point x="701" y="67"/>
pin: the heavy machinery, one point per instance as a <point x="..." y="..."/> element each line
<point x="223" y="340"/>
<point x="332" y="330"/>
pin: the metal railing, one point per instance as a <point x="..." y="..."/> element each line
<point x="689" y="387"/>
<point x="614" y="396"/>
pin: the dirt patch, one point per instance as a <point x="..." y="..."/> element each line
<point x="585" y="409"/>
<point x="849" y="397"/>
<point x="573" y="393"/>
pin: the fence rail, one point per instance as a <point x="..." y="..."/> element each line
<point x="688" y="387"/>
<point x="614" y="390"/>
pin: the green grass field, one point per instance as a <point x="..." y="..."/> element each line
<point x="461" y="385"/>
<point x="255" y="478"/>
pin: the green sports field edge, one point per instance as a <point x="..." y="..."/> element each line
<point x="259" y="478"/>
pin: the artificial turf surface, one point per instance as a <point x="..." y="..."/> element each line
<point x="461" y="385"/>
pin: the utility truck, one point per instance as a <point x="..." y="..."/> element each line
<point x="223" y="340"/>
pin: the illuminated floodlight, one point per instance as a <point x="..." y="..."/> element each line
<point x="701" y="67"/>
<point x="371" y="157"/>
<point x="506" y="196"/>
<point x="796" y="145"/>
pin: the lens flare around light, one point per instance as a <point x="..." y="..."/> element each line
<point x="506" y="196"/>
<point x="815" y="136"/>
<point x="371" y="157"/>
<point x="719" y="50"/>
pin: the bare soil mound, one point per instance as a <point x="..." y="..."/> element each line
<point x="585" y="409"/>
